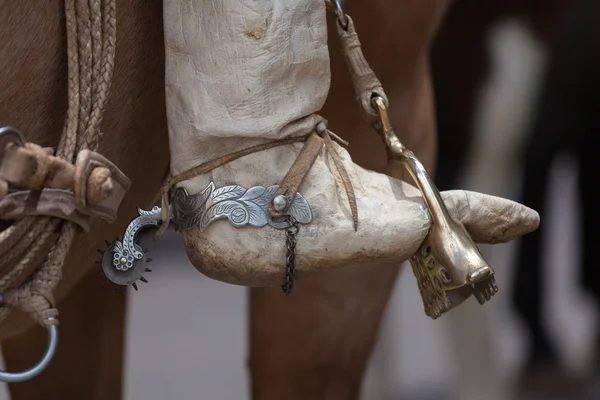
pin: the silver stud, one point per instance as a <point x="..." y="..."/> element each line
<point x="279" y="203"/>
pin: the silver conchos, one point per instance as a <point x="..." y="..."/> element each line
<point x="240" y="206"/>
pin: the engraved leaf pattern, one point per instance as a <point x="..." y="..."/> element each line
<point x="228" y="193"/>
<point x="118" y="247"/>
<point x="239" y="205"/>
<point x="204" y="195"/>
<point x="253" y="193"/>
<point x="156" y="211"/>
<point x="300" y="210"/>
<point x="233" y="210"/>
<point x="257" y="216"/>
<point x="188" y="210"/>
<point x="187" y="203"/>
<point x="266" y="198"/>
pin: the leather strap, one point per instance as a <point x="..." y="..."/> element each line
<point x="33" y="167"/>
<point x="343" y="175"/>
<point x="96" y="185"/>
<point x="304" y="162"/>
<point x="48" y="202"/>
<point x="365" y="82"/>
<point x="294" y="177"/>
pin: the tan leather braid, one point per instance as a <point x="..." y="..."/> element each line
<point x="103" y="80"/>
<point x="14" y="237"/>
<point x="84" y="37"/>
<point x="66" y="146"/>
<point x="23" y="243"/>
<point x="91" y="39"/>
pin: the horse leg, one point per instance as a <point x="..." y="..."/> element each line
<point x="316" y="343"/>
<point x="89" y="361"/>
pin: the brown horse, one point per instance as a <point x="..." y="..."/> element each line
<point x="33" y="96"/>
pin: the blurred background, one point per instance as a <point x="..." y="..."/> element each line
<point x="518" y="99"/>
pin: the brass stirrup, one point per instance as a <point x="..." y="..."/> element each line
<point x="448" y="265"/>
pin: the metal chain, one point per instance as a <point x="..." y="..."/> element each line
<point x="290" y="265"/>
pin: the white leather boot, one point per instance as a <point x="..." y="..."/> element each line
<point x="245" y="73"/>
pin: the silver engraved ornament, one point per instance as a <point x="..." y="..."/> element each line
<point x="123" y="260"/>
<point x="240" y="206"/>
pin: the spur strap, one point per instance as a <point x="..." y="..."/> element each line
<point x="365" y="82"/>
<point x="295" y="175"/>
<point x="313" y="144"/>
<point x="291" y="182"/>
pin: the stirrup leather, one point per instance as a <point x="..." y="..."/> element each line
<point x="448" y="265"/>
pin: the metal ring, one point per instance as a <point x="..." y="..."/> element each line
<point x="8" y="134"/>
<point x="13" y="133"/>
<point x="13" y="377"/>
<point x="341" y="15"/>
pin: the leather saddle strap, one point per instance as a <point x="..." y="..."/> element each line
<point x="344" y="176"/>
<point x="217" y="162"/>
<point x="365" y="82"/>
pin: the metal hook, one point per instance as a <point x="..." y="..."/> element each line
<point x="13" y="377"/>
<point x="339" y="11"/>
